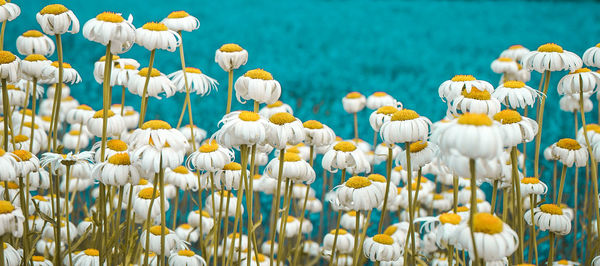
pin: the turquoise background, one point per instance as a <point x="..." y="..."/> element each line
<point x="321" y="50"/>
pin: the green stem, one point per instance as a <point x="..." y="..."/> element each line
<point x="473" y="209"/>
<point x="144" y="104"/>
<point x="277" y="197"/>
<point x="5" y="106"/>
<point x="538" y="137"/>
<point x="519" y="201"/>
<point x="229" y="95"/>
<point x="387" y="189"/>
<point x="33" y="107"/>
<point x="562" y="185"/>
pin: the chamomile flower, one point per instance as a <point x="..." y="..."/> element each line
<point x="476" y="101"/>
<point x="359" y="193"/>
<point x="276" y="107"/>
<point x="158" y="84"/>
<point x="591" y="56"/>
<point x="515" y="94"/>
<point x="313" y="205"/>
<point x="348" y="220"/>
<point x="40" y="261"/>
<point x="141" y="203"/>
<point x="382" y="150"/>
<point x="241" y="128"/>
<point x="11" y="219"/>
<point x="344" y="155"/>
<point x="35" y="42"/>
<point x="494" y="238"/>
<point x="181" y="21"/>
<point x="551" y="57"/>
<point x="260" y="260"/>
<point x="504" y="65"/>
<point x="8" y="163"/>
<point x="532" y="186"/>
<point x="65" y="91"/>
<point x="108" y="27"/>
<point x="257" y="85"/>
<point x="421" y="153"/>
<point x="182" y="178"/>
<point x="382" y="247"/>
<point x="9" y="66"/>
<point x="231" y="56"/>
<point x="354" y="102"/>
<point x="294" y="168"/>
<point x="26" y="162"/>
<point x="185" y="257"/>
<point x="197" y="81"/>
<point x="570" y="103"/>
<point x="481" y="205"/>
<point x="450" y="89"/>
<point x="118" y="170"/>
<point x="565" y="262"/>
<point x="194" y="220"/>
<point x="405" y="126"/>
<point x="39" y="179"/>
<point x="172" y="242"/>
<point x="582" y="79"/>
<point x="472" y="135"/>
<point x="514" y="128"/>
<point x="222" y="209"/>
<point x="230" y="176"/>
<point x="291" y="228"/>
<point x="80" y="114"/>
<point x="317" y="134"/>
<point x="114" y="124"/>
<point x="70" y="75"/>
<point x="282" y="129"/>
<point x="344" y="245"/>
<point x="380" y="99"/>
<point x="210" y="157"/>
<point x="187" y="233"/>
<point x="153" y="35"/>
<point x="381" y="116"/>
<point x="549" y="217"/>
<point x="569" y="152"/>
<point x="516" y="52"/>
<point x="56" y="19"/>
<point x="33" y="65"/>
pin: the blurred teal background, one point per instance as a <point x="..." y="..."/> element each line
<point x="321" y="50"/>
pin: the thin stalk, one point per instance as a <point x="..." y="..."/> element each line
<point x="163" y="212"/>
<point x="106" y="102"/>
<point x="362" y="238"/>
<point x="356" y="234"/>
<point x="455" y="193"/>
<point x="575" y="214"/>
<point x="494" y="196"/>
<point x="25" y="104"/>
<point x="122" y="100"/>
<point x="175" y="207"/>
<point x="67" y="177"/>
<point x="33" y="107"/>
<point x="532" y="205"/>
<point x="148" y="219"/>
<point x="551" y="255"/>
<point x="554" y="176"/>
<point x="473" y="209"/>
<point x="25" y="239"/>
<point x="2" y="262"/>
<point x="540" y="118"/>
<point x="562" y="185"/>
<point x="411" y="217"/>
<point x="337" y="226"/>
<point x="229" y="95"/>
<point x="5" y="106"/>
<point x="144" y="104"/>
<point x="58" y="89"/>
<point x="519" y="201"/>
<point x="355" y="126"/>
<point x="299" y="238"/>
<point x="387" y="189"/>
<point x="236" y="220"/>
<point x="277" y="196"/>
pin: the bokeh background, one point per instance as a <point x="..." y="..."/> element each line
<point x="321" y="50"/>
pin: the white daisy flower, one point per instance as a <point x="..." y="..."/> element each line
<point x="182" y="178"/>
<point x="181" y="21"/>
<point x="80" y="114"/>
<point x="381" y="116"/>
<point x="11" y="219"/>
<point x="109" y="27"/>
<point x="504" y="65"/>
<point x="114" y="124"/>
<point x="381" y="247"/>
<point x="241" y="128"/>
<point x="405" y="126"/>
<point x="476" y="101"/>
<point x="230" y="177"/>
<point x="344" y="244"/>
<point x="282" y="129"/>
<point x="50" y="73"/>
<point x="48" y="232"/>
<point x="522" y="74"/>
<point x="210" y="157"/>
<point x="172" y="242"/>
<point x="187" y="233"/>
<point x="532" y="186"/>
<point x="551" y="57"/>
<point x="354" y="102"/>
<point x="514" y="128"/>
<point x="118" y="170"/>
<point x="472" y="135"/>
<point x="566" y="262"/>
<point x="549" y="217"/>
<point x="515" y="94"/>
<point x="198" y="82"/>
<point x="569" y="152"/>
<point x="380" y="99"/>
<point x="155" y="35"/>
<point x="317" y="134"/>
<point x="257" y="85"/>
<point x="40" y="261"/>
<point x="582" y="79"/>
<point x="421" y="153"/>
<point x="231" y="56"/>
<point x="141" y="203"/>
<point x="481" y="205"/>
<point x="227" y="208"/>
<point x="516" y="52"/>
<point x="591" y="56"/>
<point x="345" y="155"/>
<point x="494" y="238"/>
<point x="450" y="89"/>
<point x="291" y="228"/>
<point x="8" y="162"/>
<point x="65" y="90"/>
<point x="9" y="66"/>
<point x="56" y="19"/>
<point x="348" y="220"/>
<point x="34" y="42"/>
<point x="358" y="193"/>
<point x="33" y="65"/>
<point x="123" y="70"/>
<point x="158" y="84"/>
<point x="382" y="150"/>
<point x="26" y="162"/>
<point x="207" y="222"/>
<point x="185" y="257"/>
<point x="276" y="107"/>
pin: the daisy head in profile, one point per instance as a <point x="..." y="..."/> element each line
<point x="489" y="232"/>
<point x="475" y="101"/>
<point x="317" y="134"/>
<point x="241" y="128"/>
<point x="181" y="21"/>
<point x="231" y="56"/>
<point x="515" y="94"/>
<point x="35" y="42"/>
<point x="354" y="102"/>
<point x="405" y="126"/>
<point x="504" y="65"/>
<point x="359" y="193"/>
<point x="115" y="124"/>
<point x="380" y="116"/>
<point x="569" y="151"/>
<point x="580" y="80"/>
<point x="56" y="19"/>
<point x="186" y="257"/>
<point x="549" y="217"/>
<point x="257" y="85"/>
<point x="450" y="89"/>
<point x="198" y="82"/>
<point x="156" y="35"/>
<point x="283" y="129"/>
<point x="381" y="247"/>
<point x="158" y="84"/>
<point x="344" y="155"/>
<point x="591" y="56"/>
<point x="514" y="128"/>
<point x="277" y="107"/>
<point x="551" y="57"/>
<point x="380" y="99"/>
<point x="210" y="157"/>
<point x="109" y="27"/>
<point x="515" y="52"/>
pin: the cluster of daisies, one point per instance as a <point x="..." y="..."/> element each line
<point x="104" y="187"/>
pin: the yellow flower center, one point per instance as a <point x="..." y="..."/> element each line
<point x="312" y="124"/>
<point x="282" y="118"/>
<point x="119" y="159"/>
<point x="91" y="252"/>
<point x="23" y="155"/>
<point x="178" y="14"/>
<point x="11" y="185"/>
<point x="39" y="198"/>
<point x="290" y="219"/>
<point x="261" y="258"/>
<point x="550" y="48"/>
<point x="551" y="209"/>
<point x="581" y="70"/>
<point x="487" y="223"/>
<point x="404" y="114"/>
<point x="377" y="178"/>
<point x="569" y="144"/>
<point x="193" y="70"/>
<point x="181" y="170"/>
<point x="32" y="33"/>
<point x="515" y="47"/>
<point x="292" y="150"/>
<point x="351" y="213"/>
<point x="186" y="253"/>
<point x="417" y="146"/>
<point x="6" y="57"/>
<point x="390" y="230"/>
<point x="100" y="114"/>
<point x="462" y="209"/>
<point x="505" y="59"/>
<point x="458" y="78"/>
<point x="593" y="127"/>
<point x="21" y="138"/>
<point x="74" y="132"/>
<point x="358" y="182"/>
<point x="209" y="147"/>
<point x="143" y="182"/>
<point x="387" y="110"/>
<point x="530" y="180"/>
<point x="233" y="166"/>
<point x="155" y="26"/>
<point x="248" y="116"/>
<point x="259" y="74"/>
<point x="275" y="104"/>
<point x="291" y="157"/>
<point x="157" y="230"/>
<point x="514" y="84"/>
<point x="230" y="48"/>
<point x="35" y="57"/>
<point x="54" y="9"/>
<point x="156" y="124"/>
<point x="475" y="119"/>
<point x="507" y="117"/>
<point x="84" y="107"/>
<point x="354" y="95"/>
<point x="344" y="146"/>
<point x="339" y="232"/>
<point x="477" y="94"/>
<point x="6" y="207"/>
<point x="234" y="235"/>
<point x="146" y="193"/>
<point x="383" y="239"/>
<point x="144" y="72"/>
<point x="114" y="57"/>
<point x="65" y="65"/>
<point x="379" y="94"/>
<point x="110" y="17"/>
<point x="38" y="258"/>
<point x="27" y="112"/>
<point x="116" y="145"/>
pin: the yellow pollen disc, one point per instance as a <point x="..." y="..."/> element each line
<point x="193" y="70"/>
<point x="387" y="110"/>
<point x="65" y="65"/>
<point x="415" y="187"/>
<point x="339" y="232"/>
<point x="6" y="207"/>
<point x="27" y="112"/>
<point x="282" y="118"/>
<point x="146" y="193"/>
<point x="144" y="72"/>
<point x="477" y="94"/>
<point x="11" y="185"/>
<point x="226" y="193"/>
<point x="275" y="104"/>
<point x="475" y="119"/>
<point x="205" y="214"/>
<point x="550" y="48"/>
<point x="390" y="230"/>
<point x="358" y="182"/>
<point x="6" y="57"/>
<point x="157" y="230"/>
<point x="383" y="239"/>
<point x="530" y="180"/>
<point x="21" y="138"/>
<point x="312" y="124"/>
<point x="292" y="150"/>
<point x="143" y="182"/>
<point x="209" y="147"/>
<point x="418" y="146"/>
<point x="181" y="170"/>
<point x="353" y="95"/>
<point x="507" y="116"/>
<point x="178" y="14"/>
<point x="32" y="33"/>
<point x="515" y="47"/>
<point x="186" y="253"/>
<point x="233" y="166"/>
<point x="581" y="70"/>
<point x="344" y="146"/>
<point x="259" y="74"/>
<point x="569" y="144"/>
<point x="487" y="223"/>
<point x="155" y="26"/>
<point x="399" y="190"/>
<point x="351" y="213"/>
<point x="129" y="67"/>
<point x="35" y="57"/>
<point x="100" y="114"/>
<point x="377" y="178"/>
<point x="110" y="17"/>
<point x="38" y="258"/>
<point x="438" y="197"/>
<point x="54" y="9"/>
<point x="91" y="252"/>
<point x="398" y="168"/>
<point x="290" y="219"/>
<point x="563" y="262"/>
<point x="462" y="209"/>
<point x="234" y="235"/>
<point x="248" y="116"/>
<point x="514" y="84"/>
<point x="230" y="48"/>
<point x="261" y="258"/>
<point x="593" y="127"/>
<point x="116" y="145"/>
<point x="84" y="107"/>
<point x="551" y="209"/>
<point x="119" y="159"/>
<point x="74" y="132"/>
<point x="114" y="57"/>
<point x="256" y="177"/>
<point x="156" y="124"/>
<point x="39" y="198"/>
<point x="23" y="155"/>
<point x="505" y="59"/>
<point x="291" y="157"/>
<point x="463" y="78"/>
<point x="379" y="94"/>
<point x="404" y="114"/>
